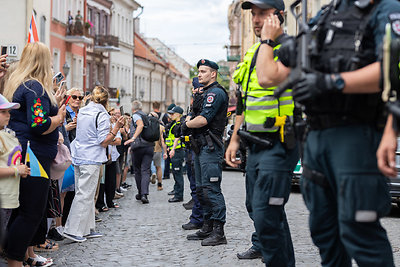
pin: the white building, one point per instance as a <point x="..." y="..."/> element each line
<point x="179" y="73"/>
<point x="121" y="63"/>
<point x="15" y="18"/>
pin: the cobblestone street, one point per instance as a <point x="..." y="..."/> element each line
<point x="151" y="235"/>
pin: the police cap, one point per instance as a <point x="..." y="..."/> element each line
<point x="207" y="63"/>
<point x="196" y="83"/>
<point x="176" y="109"/>
<point x="171" y="107"/>
<point x="264" y="4"/>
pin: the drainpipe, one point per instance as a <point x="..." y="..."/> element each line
<point x="151" y="82"/>
<point x="133" y="58"/>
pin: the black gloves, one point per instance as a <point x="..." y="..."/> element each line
<point x="312" y="84"/>
<point x="184" y="129"/>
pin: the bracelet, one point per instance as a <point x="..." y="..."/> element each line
<point x="112" y="133"/>
<point x="16" y="172"/>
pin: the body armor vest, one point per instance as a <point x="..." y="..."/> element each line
<point x="218" y="123"/>
<point x="169" y="141"/>
<point x="260" y="103"/>
<point x="341" y="43"/>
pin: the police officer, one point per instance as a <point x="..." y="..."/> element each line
<point x="196" y="218"/>
<point x="341" y="184"/>
<point x="269" y="168"/>
<point x="176" y="152"/>
<point x="208" y="125"/>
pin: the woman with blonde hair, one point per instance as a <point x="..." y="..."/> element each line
<point x="88" y="151"/>
<point x="35" y="121"/>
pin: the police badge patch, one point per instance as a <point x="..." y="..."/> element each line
<point x="395" y="22"/>
<point x="210" y="99"/>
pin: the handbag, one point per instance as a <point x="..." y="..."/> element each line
<point x="61" y="163"/>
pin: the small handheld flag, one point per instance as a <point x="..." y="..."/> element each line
<point x="36" y="168"/>
<point x="33" y="35"/>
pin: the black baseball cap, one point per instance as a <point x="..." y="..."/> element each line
<point x="176" y="109"/>
<point x="264" y="4"/>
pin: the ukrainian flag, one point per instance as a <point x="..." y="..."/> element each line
<point x="36" y="168"/>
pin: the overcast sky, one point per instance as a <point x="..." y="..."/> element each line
<point x="193" y="29"/>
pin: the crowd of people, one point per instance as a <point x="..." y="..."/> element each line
<point x="46" y="130"/>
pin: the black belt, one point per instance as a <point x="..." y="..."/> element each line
<point x="326" y="121"/>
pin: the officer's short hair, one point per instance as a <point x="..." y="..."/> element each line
<point x="137" y="105"/>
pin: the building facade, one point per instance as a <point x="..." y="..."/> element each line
<point x="121" y="61"/>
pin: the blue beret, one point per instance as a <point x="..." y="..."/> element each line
<point x="196" y="83"/>
<point x="264" y="4"/>
<point x="207" y="63"/>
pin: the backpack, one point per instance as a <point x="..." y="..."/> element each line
<point x="151" y="129"/>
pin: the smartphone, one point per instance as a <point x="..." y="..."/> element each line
<point x="61" y="84"/>
<point x="122" y="110"/>
<point x="278" y="13"/>
<point x="3" y="50"/>
<point x="58" y="77"/>
<point x="67" y="98"/>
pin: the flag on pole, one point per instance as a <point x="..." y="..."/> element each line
<point x="36" y="168"/>
<point x="33" y="35"/>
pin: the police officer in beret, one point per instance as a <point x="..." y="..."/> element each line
<point x="341" y="184"/>
<point x="269" y="168"/>
<point x="208" y="124"/>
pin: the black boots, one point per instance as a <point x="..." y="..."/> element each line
<point x="204" y="232"/>
<point x="217" y="237"/>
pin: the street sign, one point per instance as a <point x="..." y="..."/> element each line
<point x="12" y="51"/>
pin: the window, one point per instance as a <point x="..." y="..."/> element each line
<point x="42" y="37"/>
<point x="88" y="74"/>
<point x="97" y="27"/>
<point x="56" y="60"/>
<point x="105" y="24"/>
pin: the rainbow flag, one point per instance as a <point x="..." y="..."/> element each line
<point x="33" y="35"/>
<point x="36" y="168"/>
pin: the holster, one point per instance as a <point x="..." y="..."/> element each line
<point x="249" y="138"/>
<point x="194" y="146"/>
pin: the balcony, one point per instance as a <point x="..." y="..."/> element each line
<point x="106" y="43"/>
<point x="233" y="53"/>
<point x="76" y="33"/>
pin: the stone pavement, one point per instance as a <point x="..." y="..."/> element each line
<point x="151" y="235"/>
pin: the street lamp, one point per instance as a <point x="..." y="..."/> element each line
<point x="66" y="69"/>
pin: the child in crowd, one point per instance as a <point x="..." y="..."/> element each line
<point x="11" y="168"/>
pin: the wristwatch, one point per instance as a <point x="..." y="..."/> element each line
<point x="338" y="82"/>
<point x="269" y="42"/>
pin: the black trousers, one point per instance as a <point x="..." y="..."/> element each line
<point x="108" y="188"/>
<point x="142" y="158"/>
<point x="26" y="219"/>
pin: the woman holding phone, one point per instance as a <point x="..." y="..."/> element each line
<point x="35" y="121"/>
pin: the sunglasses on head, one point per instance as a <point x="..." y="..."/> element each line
<point x="74" y="97"/>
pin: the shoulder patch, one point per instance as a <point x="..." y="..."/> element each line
<point x="210" y="99"/>
<point x="395" y="22"/>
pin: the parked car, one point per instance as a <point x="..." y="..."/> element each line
<point x="297" y="174"/>
<point x="241" y="153"/>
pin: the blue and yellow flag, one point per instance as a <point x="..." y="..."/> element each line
<point x="36" y="168"/>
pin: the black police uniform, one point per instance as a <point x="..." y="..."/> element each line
<point x="208" y="164"/>
<point x="342" y="186"/>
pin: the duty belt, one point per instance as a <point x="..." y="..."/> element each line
<point x="326" y="121"/>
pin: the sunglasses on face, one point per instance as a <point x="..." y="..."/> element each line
<point x="74" y="97"/>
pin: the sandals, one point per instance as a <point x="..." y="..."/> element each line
<point x="38" y="261"/>
<point x="47" y="246"/>
<point x="103" y="209"/>
<point x="114" y="206"/>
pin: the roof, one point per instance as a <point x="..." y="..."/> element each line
<point x="145" y="51"/>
